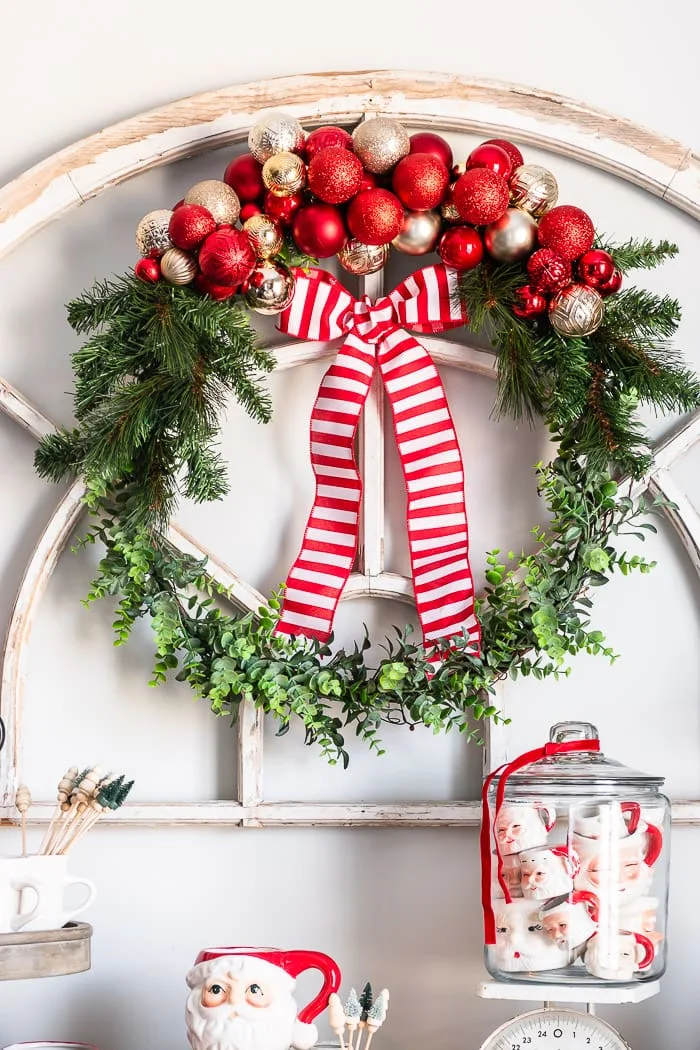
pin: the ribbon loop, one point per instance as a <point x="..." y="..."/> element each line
<point x="428" y="448"/>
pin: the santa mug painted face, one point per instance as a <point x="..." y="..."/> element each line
<point x="618" y="957"/>
<point x="547" y="871"/>
<point x="241" y="999"/>
<point x="523" y="827"/>
<point x="521" y="943"/>
<point x="570" y="921"/>
<point x="510" y="873"/>
<point x="623" y="870"/>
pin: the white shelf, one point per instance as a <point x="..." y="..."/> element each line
<point x="526" y="991"/>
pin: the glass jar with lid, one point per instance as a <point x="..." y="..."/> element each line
<point x="574" y="850"/>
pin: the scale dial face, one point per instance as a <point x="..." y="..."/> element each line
<point x="555" y="1030"/>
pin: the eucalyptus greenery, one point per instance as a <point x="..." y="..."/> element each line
<point x="151" y="380"/>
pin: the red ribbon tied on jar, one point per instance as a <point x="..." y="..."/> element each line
<point x="375" y="337"/>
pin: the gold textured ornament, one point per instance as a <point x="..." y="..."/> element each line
<point x="362" y="259"/>
<point x="534" y="189"/>
<point x="284" y="174"/>
<point x="152" y="237"/>
<point x="275" y="133"/>
<point x="380" y="143"/>
<point x="419" y="233"/>
<point x="178" y="267"/>
<point x="216" y="197"/>
<point x="270" y="288"/>
<point x="447" y="208"/>
<point x="511" y="237"/>
<point x="264" y="235"/>
<point x="576" y="311"/>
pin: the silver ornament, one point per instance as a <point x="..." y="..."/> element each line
<point x="362" y="259"/>
<point x="534" y="189"/>
<point x="511" y="237"/>
<point x="218" y="198"/>
<point x="380" y="143"/>
<point x="152" y="237"/>
<point x="270" y="288"/>
<point x="419" y="233"/>
<point x="178" y="267"/>
<point x="275" y="133"/>
<point x="576" y="311"/>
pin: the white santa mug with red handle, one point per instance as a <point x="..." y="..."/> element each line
<point x="547" y="871"/>
<point x="241" y="999"/>
<point x="520" y="827"/>
<point x="571" y="920"/>
<point x="618" y="956"/>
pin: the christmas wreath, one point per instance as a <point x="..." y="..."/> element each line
<point x="169" y="343"/>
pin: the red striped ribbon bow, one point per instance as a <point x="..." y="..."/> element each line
<point x="430" y="456"/>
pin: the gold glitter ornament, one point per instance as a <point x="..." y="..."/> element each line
<point x="264" y="235"/>
<point x="362" y="259"/>
<point x="218" y="198"/>
<point x="275" y="133"/>
<point x="380" y="143"/>
<point x="511" y="237"/>
<point x="534" y="189"/>
<point x="178" y="267"/>
<point x="270" y="288"/>
<point x="576" y="311"/>
<point x="284" y="174"/>
<point x="419" y="233"/>
<point x="152" y="237"/>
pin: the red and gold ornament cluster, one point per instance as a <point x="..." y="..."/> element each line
<point x="354" y="195"/>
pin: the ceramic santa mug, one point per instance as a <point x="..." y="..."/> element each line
<point x="241" y="999"/>
<point x="547" y="871"/>
<point x="510" y="872"/>
<point x="620" y="867"/>
<point x="618" y="819"/>
<point x="521" y="943"/>
<point x="520" y="827"/>
<point x="34" y="893"/>
<point x="570" y="921"/>
<point x="618" y="957"/>
<point x="639" y="916"/>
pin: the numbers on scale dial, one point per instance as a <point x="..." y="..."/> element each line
<point x="555" y="1030"/>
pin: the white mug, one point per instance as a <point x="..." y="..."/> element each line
<point x="521" y="943"/>
<point x="45" y="880"/>
<point x="570" y="921"/>
<point x="547" y="871"/>
<point x="616" y="819"/>
<point x="617" y="957"/>
<point x="639" y="916"/>
<point x="619" y="869"/>
<point x="520" y="827"/>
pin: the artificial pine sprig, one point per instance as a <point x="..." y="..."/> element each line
<point x="637" y="253"/>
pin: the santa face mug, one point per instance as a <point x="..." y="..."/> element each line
<point x="547" y="871"/>
<point x="571" y="920"/>
<point x="619" y="956"/>
<point x="521" y="943"/>
<point x="241" y="999"/>
<point x="521" y="827"/>
<point x="510" y="872"/>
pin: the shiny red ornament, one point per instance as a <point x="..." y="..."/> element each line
<point x="420" y="181"/>
<point x="461" y="248"/>
<point x="244" y="175"/>
<point x="375" y="217"/>
<point x="568" y="230"/>
<point x="548" y="271"/>
<point x="595" y="267"/>
<point x="323" y="138"/>
<point x="213" y="290"/>
<point x="436" y="145"/>
<point x="369" y="181"/>
<point x="481" y="196"/>
<point x="226" y="257"/>
<point x="514" y="154"/>
<point x="335" y="175"/>
<point x="148" y="271"/>
<point x="612" y="286"/>
<point x="282" y="209"/>
<point x="528" y="302"/>
<point x="489" y="155"/>
<point x="249" y="210"/>
<point x="319" y="230"/>
<point x="189" y="225"/>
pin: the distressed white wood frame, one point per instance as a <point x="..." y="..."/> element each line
<point x="194" y="125"/>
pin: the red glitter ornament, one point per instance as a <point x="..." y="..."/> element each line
<point x="189" y="225"/>
<point x="319" y="230"/>
<point x="528" y="302"/>
<point x="595" y="267"/>
<point x="148" y="271"/>
<point x="213" y="290"/>
<point x="375" y="217"/>
<point x="335" y="175"/>
<point x="323" y="138"/>
<point x="436" y="145"/>
<point x="566" y="229"/>
<point x="489" y="155"/>
<point x="226" y="257"/>
<point x="461" y="248"/>
<point x="612" y="286"/>
<point x="249" y="210"/>
<point x="282" y="209"/>
<point x="548" y="271"/>
<point x="420" y="181"/>
<point x="514" y="154"/>
<point x="481" y="196"/>
<point x="244" y="175"/>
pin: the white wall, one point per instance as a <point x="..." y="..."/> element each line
<point x="398" y="907"/>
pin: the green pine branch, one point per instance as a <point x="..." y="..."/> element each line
<point x="637" y="253"/>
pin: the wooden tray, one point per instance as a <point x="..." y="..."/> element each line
<point x="45" y="953"/>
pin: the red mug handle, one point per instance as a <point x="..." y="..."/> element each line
<point x="635" y="812"/>
<point x="648" y="947"/>
<point x="655" y="841"/>
<point x="548" y="815"/>
<point x="589" y="901"/>
<point x="295" y="962"/>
